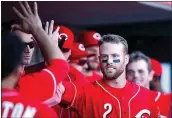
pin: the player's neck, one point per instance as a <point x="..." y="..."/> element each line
<point x="99" y="72"/>
<point x="76" y="66"/>
<point x="22" y="68"/>
<point x="9" y="82"/>
<point x="148" y="86"/>
<point x="120" y="82"/>
<point x="158" y="89"/>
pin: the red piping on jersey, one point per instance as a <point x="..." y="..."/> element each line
<point x="72" y="100"/>
<point x="132" y="98"/>
<point x="112" y="96"/>
<point x="52" y="101"/>
<point x="157" y="97"/>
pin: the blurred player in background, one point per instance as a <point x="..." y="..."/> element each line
<point x="90" y="39"/>
<point x="79" y="56"/>
<point x="156" y="81"/>
<point x="139" y="70"/>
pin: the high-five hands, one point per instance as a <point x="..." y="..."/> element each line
<point x="49" y="30"/>
<point x="30" y="20"/>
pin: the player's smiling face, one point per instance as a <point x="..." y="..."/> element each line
<point x="113" y="60"/>
<point x="137" y="71"/>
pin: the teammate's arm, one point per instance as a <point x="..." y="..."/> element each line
<point x="41" y="85"/>
<point x="31" y="23"/>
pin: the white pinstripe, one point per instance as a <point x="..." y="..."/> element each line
<point x="120" y="115"/>
<point x="52" y="101"/>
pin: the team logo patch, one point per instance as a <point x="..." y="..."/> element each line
<point x="63" y="35"/>
<point x="145" y="113"/>
<point x="81" y="47"/>
<point x="97" y="36"/>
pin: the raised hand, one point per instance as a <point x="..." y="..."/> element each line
<point x="49" y="30"/>
<point x="30" y="20"/>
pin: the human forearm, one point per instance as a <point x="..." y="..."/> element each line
<point x="31" y="23"/>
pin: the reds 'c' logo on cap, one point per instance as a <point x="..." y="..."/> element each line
<point x="81" y="47"/>
<point x="67" y="33"/>
<point x="97" y="36"/>
<point x="61" y="35"/>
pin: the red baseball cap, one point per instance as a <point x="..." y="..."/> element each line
<point x="65" y="31"/>
<point x="156" y="66"/>
<point x="90" y="38"/>
<point x="78" y="51"/>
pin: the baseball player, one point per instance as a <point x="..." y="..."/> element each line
<point x="157" y="68"/>
<point x="34" y="86"/>
<point x="113" y="96"/>
<point x="139" y="71"/>
<point x="90" y="40"/>
<point x="13" y="104"/>
<point x="78" y="58"/>
<point x="65" y="38"/>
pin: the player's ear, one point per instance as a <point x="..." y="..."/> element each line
<point x="127" y="59"/>
<point x="151" y="74"/>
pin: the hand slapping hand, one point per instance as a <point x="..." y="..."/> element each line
<point x="30" y="20"/>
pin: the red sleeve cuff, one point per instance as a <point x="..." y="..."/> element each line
<point x="59" y="62"/>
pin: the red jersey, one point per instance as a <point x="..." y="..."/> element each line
<point x="76" y="78"/>
<point x="14" y="106"/>
<point x="163" y="101"/>
<point x="99" y="100"/>
<point x="94" y="77"/>
<point x="42" y="85"/>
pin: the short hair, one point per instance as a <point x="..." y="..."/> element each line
<point x="112" y="38"/>
<point x="6" y="26"/>
<point x="138" y="55"/>
<point x="11" y="53"/>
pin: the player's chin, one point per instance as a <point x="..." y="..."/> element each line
<point x="109" y="76"/>
<point x="94" y="66"/>
<point x="26" y="62"/>
<point x="139" y="83"/>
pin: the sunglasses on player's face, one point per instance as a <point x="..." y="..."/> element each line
<point x="30" y="44"/>
<point x="82" y="62"/>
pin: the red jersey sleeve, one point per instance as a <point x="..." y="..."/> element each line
<point x="155" y="112"/>
<point x="70" y="93"/>
<point x="42" y="85"/>
<point x="164" y="104"/>
<point x="73" y="93"/>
